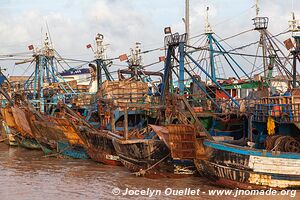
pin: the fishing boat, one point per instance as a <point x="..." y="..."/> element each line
<point x="99" y="146"/>
<point x="145" y="157"/>
<point x="43" y="92"/>
<point x="57" y="135"/>
<point x="7" y="120"/>
<point x="159" y="151"/>
<point x="268" y="156"/>
<point x="123" y="113"/>
<point x="143" y="148"/>
<point x="16" y="127"/>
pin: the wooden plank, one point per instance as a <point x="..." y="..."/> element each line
<point x="274" y="165"/>
<point x="198" y="124"/>
<point x="21" y="122"/>
<point x="126" y="124"/>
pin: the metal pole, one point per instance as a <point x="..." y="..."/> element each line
<point x="222" y="48"/>
<point x="41" y="96"/>
<point x="264" y="51"/>
<point x="165" y="81"/>
<point x="35" y="84"/>
<point x="294" y="68"/>
<point x="99" y="73"/>
<point x="52" y="68"/>
<point x="211" y="53"/>
<point x="126" y="123"/>
<point x="181" y="68"/>
<point x="187" y="20"/>
<point x="112" y="121"/>
<point x="214" y="81"/>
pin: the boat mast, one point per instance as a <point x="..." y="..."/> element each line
<point x="261" y="25"/>
<point x="187" y="20"/>
<point x="100" y="56"/>
<point x="135" y="62"/>
<point x="209" y="32"/>
<point x="294" y="27"/>
<point x="100" y="59"/>
<point x="45" y="73"/>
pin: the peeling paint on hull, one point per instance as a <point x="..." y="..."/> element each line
<point x="145" y="155"/>
<point x="233" y="169"/>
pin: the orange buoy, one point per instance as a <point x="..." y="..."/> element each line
<point x="276" y="111"/>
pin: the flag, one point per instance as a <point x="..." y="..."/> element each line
<point x="30" y="47"/>
<point x="123" y="57"/>
<point x="162" y="58"/>
<point x="88" y="46"/>
<point x="288" y="44"/>
<point x="167" y="30"/>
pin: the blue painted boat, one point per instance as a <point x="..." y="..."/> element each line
<point x="235" y="166"/>
<point x="71" y="151"/>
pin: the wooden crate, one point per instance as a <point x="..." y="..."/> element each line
<point x="124" y="91"/>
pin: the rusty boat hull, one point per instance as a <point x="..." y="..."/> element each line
<point x="17" y="128"/>
<point x="99" y="146"/>
<point x="145" y="157"/>
<point x="56" y="136"/>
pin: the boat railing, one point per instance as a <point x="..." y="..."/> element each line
<point x="281" y="109"/>
<point x="175" y="38"/>
<point x="216" y="105"/>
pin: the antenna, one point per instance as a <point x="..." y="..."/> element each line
<point x="187" y="19"/>
<point x="41" y="34"/>
<point x="294" y="24"/>
<point x="49" y="33"/>
<point x="260" y="23"/>
<point x="207" y="25"/>
<point x="257" y="7"/>
<point x="136" y="59"/>
<point x="100" y="47"/>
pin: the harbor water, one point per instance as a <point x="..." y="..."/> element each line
<point x="29" y="175"/>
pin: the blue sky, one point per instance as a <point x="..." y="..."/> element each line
<point x="74" y="23"/>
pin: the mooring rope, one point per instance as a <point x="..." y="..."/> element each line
<point x="143" y="172"/>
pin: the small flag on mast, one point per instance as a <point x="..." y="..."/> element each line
<point x="123" y="57"/>
<point x="31" y="47"/>
<point x="288" y="44"/>
<point x="162" y="58"/>
<point x="88" y="46"/>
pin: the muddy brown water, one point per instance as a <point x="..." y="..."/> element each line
<point x="28" y="175"/>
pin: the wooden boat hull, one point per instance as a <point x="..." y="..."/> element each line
<point x="8" y="125"/>
<point x="58" y="137"/>
<point x="11" y="140"/>
<point x="21" y="122"/>
<point x="103" y="156"/>
<point x="71" y="151"/>
<point x="181" y="140"/>
<point x="64" y="149"/>
<point x="28" y="143"/>
<point x="150" y="158"/>
<point x="235" y="166"/>
<point x="3" y="136"/>
<point x="99" y="146"/>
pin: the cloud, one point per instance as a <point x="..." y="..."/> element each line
<point x="74" y="23"/>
